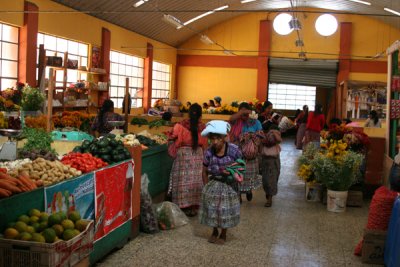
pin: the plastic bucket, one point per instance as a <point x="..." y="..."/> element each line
<point x="336" y="201"/>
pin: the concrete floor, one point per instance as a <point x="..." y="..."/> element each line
<point x="292" y="233"/>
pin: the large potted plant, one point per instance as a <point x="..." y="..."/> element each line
<point x="338" y="169"/>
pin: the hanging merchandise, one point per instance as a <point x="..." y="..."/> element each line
<point x="394" y="109"/>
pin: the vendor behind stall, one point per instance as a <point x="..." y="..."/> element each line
<point x="105" y="115"/>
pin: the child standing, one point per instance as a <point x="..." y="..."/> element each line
<point x="220" y="206"/>
<point x="271" y="163"/>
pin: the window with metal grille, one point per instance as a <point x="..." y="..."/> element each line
<point x="8" y="56"/>
<point x="126" y="66"/>
<point x="161" y="81"/>
<point x="56" y="46"/>
<point x="291" y="97"/>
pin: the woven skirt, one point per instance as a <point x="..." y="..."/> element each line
<point x="300" y="135"/>
<point x="220" y="206"/>
<point x="185" y="181"/>
<point x="251" y="179"/>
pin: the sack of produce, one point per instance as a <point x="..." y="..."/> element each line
<point x="170" y="216"/>
<point x="148" y="222"/>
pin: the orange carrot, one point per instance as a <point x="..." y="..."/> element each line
<point x="27" y="182"/>
<point x="8" y="186"/>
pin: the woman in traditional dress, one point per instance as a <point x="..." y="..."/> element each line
<point x="242" y="124"/>
<point x="220" y="206"/>
<point x="301" y="123"/>
<point x="186" y="182"/>
<point x="315" y="124"/>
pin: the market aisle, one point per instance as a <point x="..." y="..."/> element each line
<point x="291" y="233"/>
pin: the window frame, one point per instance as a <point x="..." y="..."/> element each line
<point x="5" y="59"/>
<point x="80" y="76"/>
<point x="161" y="79"/>
<point x="134" y="81"/>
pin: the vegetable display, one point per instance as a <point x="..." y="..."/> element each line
<point x="37" y="226"/>
<point x="84" y="162"/>
<point x="158" y="123"/>
<point x="49" y="172"/>
<point x="38" y="144"/>
<point x="107" y="148"/>
<point x="10" y="185"/>
<point x="15" y="164"/>
<point x="139" y="121"/>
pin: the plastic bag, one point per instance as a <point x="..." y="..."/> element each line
<point x="169" y="215"/>
<point x="148" y="221"/>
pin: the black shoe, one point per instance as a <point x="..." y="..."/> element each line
<point x="249" y="196"/>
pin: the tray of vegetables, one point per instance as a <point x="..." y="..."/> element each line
<point x="107" y="148"/>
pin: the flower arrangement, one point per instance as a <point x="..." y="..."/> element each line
<point x="10" y="99"/>
<point x="73" y="119"/>
<point x="305" y="171"/>
<point x="39" y="122"/>
<point x="337" y="169"/>
<point x="356" y="141"/>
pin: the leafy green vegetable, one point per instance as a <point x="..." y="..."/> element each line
<point x="139" y="121"/>
<point x="158" y="123"/>
<point x="37" y="139"/>
<point x="32" y="98"/>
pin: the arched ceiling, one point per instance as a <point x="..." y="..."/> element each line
<point x="147" y="18"/>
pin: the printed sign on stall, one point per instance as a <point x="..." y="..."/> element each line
<point x="113" y="188"/>
<point x="76" y="194"/>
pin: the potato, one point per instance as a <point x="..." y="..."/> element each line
<point x="44" y="176"/>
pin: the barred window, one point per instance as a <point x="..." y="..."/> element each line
<point x="8" y="56"/>
<point x="126" y="66"/>
<point x="161" y="83"/>
<point x="291" y="97"/>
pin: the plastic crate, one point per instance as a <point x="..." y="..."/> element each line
<point x="18" y="253"/>
<point x="71" y="136"/>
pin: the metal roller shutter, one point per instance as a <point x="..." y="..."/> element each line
<point x="320" y="73"/>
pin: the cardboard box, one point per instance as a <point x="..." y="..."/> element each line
<point x="355" y="198"/>
<point x="373" y="246"/>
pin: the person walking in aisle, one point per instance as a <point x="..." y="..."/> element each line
<point x="373" y="120"/>
<point x="271" y="162"/>
<point x="220" y="207"/>
<point x="186" y="182"/>
<point x="301" y="123"/>
<point x="315" y="124"/>
<point x="243" y="134"/>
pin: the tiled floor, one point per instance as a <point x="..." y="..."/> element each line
<point x="292" y="232"/>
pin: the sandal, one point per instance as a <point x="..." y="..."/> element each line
<point x="220" y="241"/>
<point x="213" y="239"/>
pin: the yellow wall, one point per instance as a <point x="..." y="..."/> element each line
<point x="202" y="84"/>
<point x="369" y="37"/>
<point x="81" y="27"/>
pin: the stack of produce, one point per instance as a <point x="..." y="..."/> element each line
<point x="48" y="172"/>
<point x="84" y="162"/>
<point x="38" y="145"/>
<point x="159" y="139"/>
<point x="15" y="164"/>
<point x="139" y="121"/>
<point x="108" y="148"/>
<point x="41" y="227"/>
<point x="13" y="185"/>
<point x="128" y="140"/>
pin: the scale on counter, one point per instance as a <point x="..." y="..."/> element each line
<point x="116" y="124"/>
<point x="8" y="150"/>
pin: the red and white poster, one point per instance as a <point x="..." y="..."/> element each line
<point x="113" y="187"/>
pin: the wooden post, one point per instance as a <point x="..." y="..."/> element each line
<point x="126" y="104"/>
<point x="50" y="99"/>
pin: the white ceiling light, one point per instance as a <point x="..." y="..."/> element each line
<point x="361" y="2"/>
<point x="247" y="1"/>
<point x="205" y="39"/>
<point x="392" y="11"/>
<point x="326" y="25"/>
<point x="139" y="3"/>
<point x="203" y="15"/>
<point x="281" y="24"/>
<point x="172" y="20"/>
